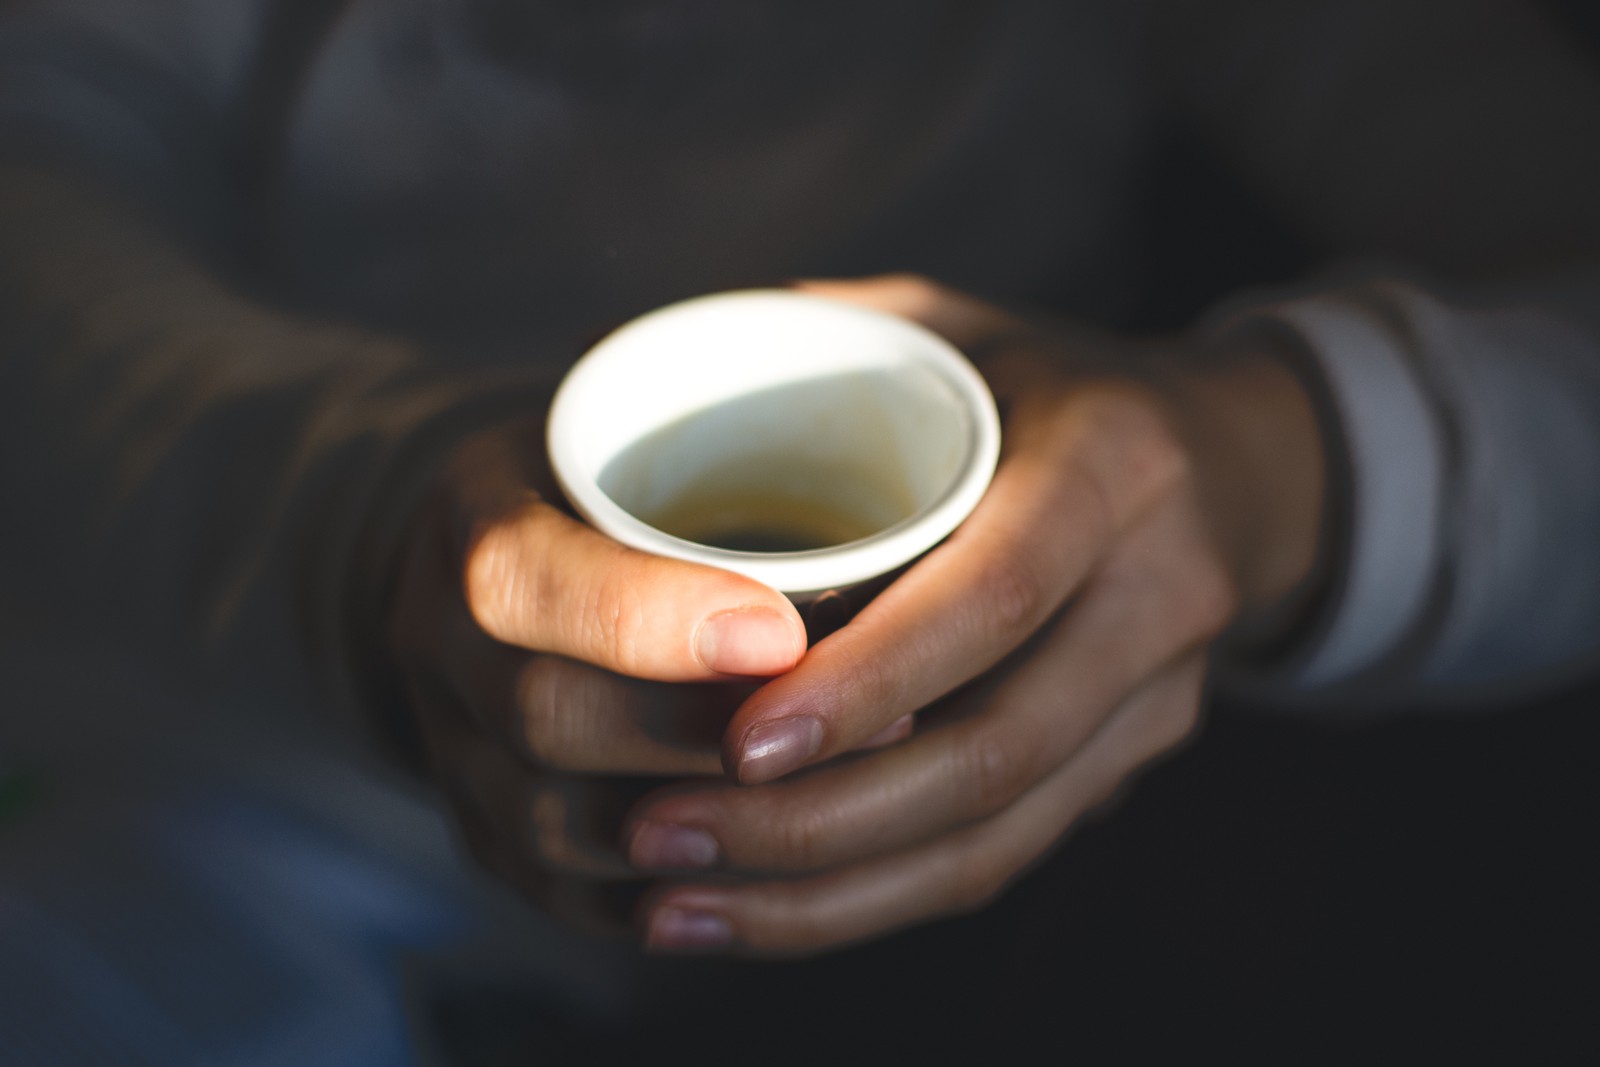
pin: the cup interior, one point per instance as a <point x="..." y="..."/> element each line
<point x="806" y="443"/>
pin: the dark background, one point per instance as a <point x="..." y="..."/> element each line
<point x="1412" y="889"/>
<point x="1420" y="890"/>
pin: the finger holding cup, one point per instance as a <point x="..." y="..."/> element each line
<point x="814" y="446"/>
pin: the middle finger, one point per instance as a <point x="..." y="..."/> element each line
<point x="1075" y="477"/>
<point x="1127" y="626"/>
<point x="562" y="715"/>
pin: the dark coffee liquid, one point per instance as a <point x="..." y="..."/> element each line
<point x="756" y="540"/>
<point x="750" y="521"/>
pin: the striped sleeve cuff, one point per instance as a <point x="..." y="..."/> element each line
<point x="1387" y="465"/>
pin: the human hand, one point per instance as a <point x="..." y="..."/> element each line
<point x="538" y="655"/>
<point x="1053" y="645"/>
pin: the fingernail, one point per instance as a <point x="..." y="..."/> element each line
<point x="749" y="641"/>
<point x="661" y="845"/>
<point x="773" y="749"/>
<point x="679" y="929"/>
<point x="898" y="730"/>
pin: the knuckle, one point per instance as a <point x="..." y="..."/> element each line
<point x="495" y="581"/>
<point x="1016" y="594"/>
<point x="1139" y="420"/>
<point x="1163" y="455"/>
<point x="1127" y="448"/>
<point x="612" y="623"/>
<point x="800" y="840"/>
<point x="544" y="702"/>
<point x="1090" y="500"/>
<point x="875" y="681"/>
<point x="997" y="772"/>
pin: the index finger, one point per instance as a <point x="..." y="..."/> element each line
<point x="1072" y="481"/>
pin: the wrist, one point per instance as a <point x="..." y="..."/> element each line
<point x="1253" y="431"/>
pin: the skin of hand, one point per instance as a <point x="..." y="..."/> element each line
<point x="1048" y="649"/>
<point x="554" y="674"/>
<point x="1148" y="498"/>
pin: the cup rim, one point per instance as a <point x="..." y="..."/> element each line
<point x="813" y="570"/>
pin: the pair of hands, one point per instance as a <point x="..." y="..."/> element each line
<point x="913" y="763"/>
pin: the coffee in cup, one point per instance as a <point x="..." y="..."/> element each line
<point x="806" y="443"/>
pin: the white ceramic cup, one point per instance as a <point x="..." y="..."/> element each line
<point x="758" y="408"/>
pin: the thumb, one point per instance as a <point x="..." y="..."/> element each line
<point x="540" y="580"/>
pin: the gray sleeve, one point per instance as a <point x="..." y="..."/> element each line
<point x="1460" y="143"/>
<point x="1466" y="544"/>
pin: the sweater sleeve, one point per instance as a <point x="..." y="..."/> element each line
<point x="191" y="477"/>
<point x="1461" y="143"/>
<point x="1464" y="563"/>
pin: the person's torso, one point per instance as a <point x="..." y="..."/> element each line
<point x="508" y="180"/>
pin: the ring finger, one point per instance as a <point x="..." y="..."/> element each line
<point x="1132" y="620"/>
<point x="959" y="872"/>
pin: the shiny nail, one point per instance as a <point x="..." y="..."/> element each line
<point x="663" y="845"/>
<point x="898" y="730"/>
<point x="754" y="641"/>
<point x="773" y="749"/>
<point x="679" y="929"/>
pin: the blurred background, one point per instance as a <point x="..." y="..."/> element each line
<point x="1287" y="888"/>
